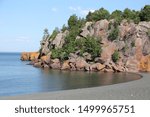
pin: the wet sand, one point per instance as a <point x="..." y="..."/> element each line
<point x="134" y="90"/>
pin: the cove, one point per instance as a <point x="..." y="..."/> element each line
<point x="17" y="78"/>
<point x="64" y="80"/>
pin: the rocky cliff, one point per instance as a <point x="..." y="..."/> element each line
<point x="128" y="52"/>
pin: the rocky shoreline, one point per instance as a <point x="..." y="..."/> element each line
<point x="80" y="64"/>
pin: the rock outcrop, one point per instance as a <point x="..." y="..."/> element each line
<point x="29" y="56"/>
<point x="132" y="43"/>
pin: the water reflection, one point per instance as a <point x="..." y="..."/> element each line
<point x="53" y="80"/>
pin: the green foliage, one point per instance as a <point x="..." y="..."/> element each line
<point x="70" y="38"/>
<point x="75" y="29"/>
<point x="89" y="17"/>
<point x="63" y="56"/>
<point x="69" y="48"/>
<point x="131" y="15"/>
<point x="117" y="15"/>
<point x="64" y="28"/>
<point x="114" y="34"/>
<point x="92" y="46"/>
<point x="145" y="13"/>
<point x="59" y="53"/>
<point x="133" y="44"/>
<point x="72" y="21"/>
<point x="55" y="53"/>
<point x="54" y="34"/>
<point x="75" y="25"/>
<point x="127" y="14"/>
<point x="136" y="17"/>
<point x="89" y="44"/>
<point x="115" y="56"/>
<point x="98" y="15"/>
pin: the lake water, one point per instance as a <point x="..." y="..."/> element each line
<point x="16" y="77"/>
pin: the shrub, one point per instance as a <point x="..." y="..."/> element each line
<point x="127" y="14"/>
<point x="55" y="53"/>
<point x="115" y="56"/>
<point x="98" y="15"/>
<point x="116" y="14"/>
<point x="72" y="21"/>
<point x="145" y="13"/>
<point x="90" y="45"/>
<point x="69" y="48"/>
<point x="131" y="15"/>
<point x="75" y="22"/>
<point x="60" y="54"/>
<point x="113" y="34"/>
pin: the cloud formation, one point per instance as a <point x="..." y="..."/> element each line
<point x="23" y="39"/>
<point x="81" y="11"/>
<point x="54" y="9"/>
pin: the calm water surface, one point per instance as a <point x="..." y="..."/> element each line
<point x="18" y="78"/>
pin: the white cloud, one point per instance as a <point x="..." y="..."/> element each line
<point x="23" y="39"/>
<point x="54" y="9"/>
<point x="80" y="10"/>
<point x="85" y="12"/>
<point x="72" y="8"/>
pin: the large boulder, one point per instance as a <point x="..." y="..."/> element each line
<point x="59" y="40"/>
<point x="55" y="64"/>
<point x="97" y="67"/>
<point x="87" y="56"/>
<point x="87" y="30"/>
<point x="46" y="59"/>
<point x="65" y="65"/>
<point x="80" y="63"/>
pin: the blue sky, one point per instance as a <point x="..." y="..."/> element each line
<point x="22" y="21"/>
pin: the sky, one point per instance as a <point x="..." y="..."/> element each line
<point x="22" y="21"/>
